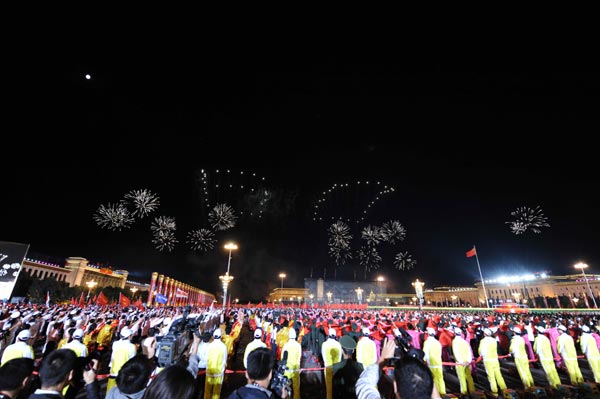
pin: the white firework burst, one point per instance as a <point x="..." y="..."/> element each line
<point x="222" y="217"/>
<point x="339" y="234"/>
<point x="201" y="240"/>
<point x="372" y="235"/>
<point x="404" y="261"/>
<point x="340" y="254"/>
<point x="144" y="202"/>
<point x="528" y="218"/>
<point x="393" y="231"/>
<point x="164" y="240"/>
<point x="113" y="217"/>
<point x="369" y="258"/>
<point x="163" y="232"/>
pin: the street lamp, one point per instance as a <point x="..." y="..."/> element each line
<point x="329" y="295"/>
<point x="419" y="291"/>
<point x="359" y="291"/>
<point x="311" y="296"/>
<point x="582" y="266"/>
<point x="281" y="276"/>
<point x="226" y="278"/>
<point x="133" y="291"/>
<point x="91" y="284"/>
<point x="380" y="281"/>
<point x="453" y="299"/>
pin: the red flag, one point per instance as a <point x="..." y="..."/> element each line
<point x="124" y="301"/>
<point x="139" y="305"/>
<point x="471" y="252"/>
<point x="102" y="300"/>
<point x="82" y="301"/>
<point x="179" y="293"/>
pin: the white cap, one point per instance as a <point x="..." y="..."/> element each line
<point x="457" y="331"/>
<point x="430" y="331"/>
<point x="79" y="333"/>
<point x="126" y="332"/>
<point x="292" y="333"/>
<point x="517" y="330"/>
<point x="333" y="334"/>
<point x="217" y="333"/>
<point x="585" y="328"/>
<point x="258" y="333"/>
<point x="541" y="329"/>
<point x="24" y="335"/>
<point x="562" y="328"/>
<point x="15" y="314"/>
<point x="365" y="331"/>
<point x="487" y="331"/>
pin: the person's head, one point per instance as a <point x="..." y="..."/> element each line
<point x="134" y="375"/>
<point x="125" y="333"/>
<point x="14" y="375"/>
<point x="173" y="382"/>
<point x="413" y="379"/>
<point x="151" y="332"/>
<point x="260" y="365"/>
<point x="23" y="336"/>
<point x="57" y="368"/>
<point x="348" y="345"/>
<point x="78" y="334"/>
<point x="258" y="333"/>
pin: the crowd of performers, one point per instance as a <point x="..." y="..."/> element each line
<point x="340" y="344"/>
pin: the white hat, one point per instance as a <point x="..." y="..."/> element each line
<point x="333" y="334"/>
<point x="457" y="331"/>
<point x="292" y="333"/>
<point x="365" y="331"/>
<point x="585" y="328"/>
<point x="517" y="330"/>
<point x="24" y="335"/>
<point x="79" y="333"/>
<point x="430" y="331"/>
<point x="126" y="332"/>
<point x="487" y="331"/>
<point x="541" y="329"/>
<point x="258" y="333"/>
<point x="217" y="333"/>
<point x="15" y="314"/>
<point x="562" y="328"/>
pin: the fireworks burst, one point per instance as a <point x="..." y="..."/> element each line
<point x="372" y="235"/>
<point x="339" y="242"/>
<point x="222" y="217"/>
<point x="393" y="231"/>
<point x="340" y="254"/>
<point x="144" y="202"/>
<point x="404" y="261"/>
<point x="201" y="240"/>
<point x="163" y="230"/>
<point x="113" y="217"/>
<point x="369" y="258"/>
<point x="528" y="218"/>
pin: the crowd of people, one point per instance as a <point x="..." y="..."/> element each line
<point x="61" y="351"/>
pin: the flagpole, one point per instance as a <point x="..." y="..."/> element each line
<point x="487" y="302"/>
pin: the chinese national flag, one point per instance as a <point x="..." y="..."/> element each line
<point x="124" y="301"/>
<point x="471" y="252"/>
<point x="102" y="300"/>
<point x="82" y="301"/>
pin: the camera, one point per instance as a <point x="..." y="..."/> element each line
<point x="279" y="382"/>
<point x="87" y="362"/>
<point x="172" y="347"/>
<point x="404" y="347"/>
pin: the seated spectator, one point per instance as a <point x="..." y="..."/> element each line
<point x="132" y="379"/>
<point x="14" y="377"/>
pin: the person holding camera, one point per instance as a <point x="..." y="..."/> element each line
<point x="259" y="371"/>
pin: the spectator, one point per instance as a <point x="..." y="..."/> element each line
<point x="14" y="376"/>
<point x="174" y="382"/>
<point x="259" y="371"/>
<point x="132" y="379"/>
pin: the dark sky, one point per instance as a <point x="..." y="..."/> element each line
<point x="464" y="143"/>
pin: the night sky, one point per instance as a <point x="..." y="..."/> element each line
<point x="463" y="143"/>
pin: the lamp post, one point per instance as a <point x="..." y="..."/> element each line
<point x="311" y="296"/>
<point x="133" y="291"/>
<point x="380" y="281"/>
<point x="419" y="291"/>
<point x="281" y="276"/>
<point x="359" y="291"/>
<point x="453" y="299"/>
<point x="582" y="266"/>
<point x="91" y="284"/>
<point x="226" y="278"/>
<point x="329" y="295"/>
